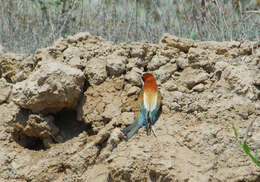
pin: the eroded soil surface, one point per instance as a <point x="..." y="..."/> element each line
<point x="62" y="110"/>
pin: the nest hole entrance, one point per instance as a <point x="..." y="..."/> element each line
<point x="69" y="126"/>
<point x="67" y="123"/>
<point x="31" y="143"/>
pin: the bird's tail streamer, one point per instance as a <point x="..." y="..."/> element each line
<point x="133" y="128"/>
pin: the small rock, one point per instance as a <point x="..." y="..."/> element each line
<point x="20" y="76"/>
<point x="182" y="63"/>
<point x="132" y="91"/>
<point x="137" y="49"/>
<point x="76" y="62"/>
<point x="133" y="77"/>
<point x="71" y="39"/>
<point x="191" y="77"/>
<point x="169" y="52"/>
<point x="116" y="65"/>
<point x="257" y="80"/>
<point x="72" y="51"/>
<point x="156" y="62"/>
<point x="173" y="61"/>
<point x="5" y="90"/>
<point x="171" y="86"/>
<point x="175" y="106"/>
<point x="234" y="52"/>
<point x="165" y="72"/>
<point x="140" y="62"/>
<point x="181" y="43"/>
<point x="60" y="44"/>
<point x="182" y="89"/>
<point x="131" y="64"/>
<point x="195" y="53"/>
<point x="78" y="37"/>
<point x="198" y="88"/>
<point x="208" y="66"/>
<point x="95" y="71"/>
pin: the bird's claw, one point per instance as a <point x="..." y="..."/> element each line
<point x="147" y="129"/>
<point x="153" y="131"/>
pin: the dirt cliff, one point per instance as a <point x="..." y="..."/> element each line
<point x="62" y="110"/>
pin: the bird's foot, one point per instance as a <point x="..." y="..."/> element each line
<point x="153" y="131"/>
<point x="147" y="129"/>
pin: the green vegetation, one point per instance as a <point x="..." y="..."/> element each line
<point x="29" y="24"/>
<point x="245" y="147"/>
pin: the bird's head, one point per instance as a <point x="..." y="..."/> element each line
<point x="148" y="79"/>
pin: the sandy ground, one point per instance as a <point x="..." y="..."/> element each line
<point x="62" y="110"/>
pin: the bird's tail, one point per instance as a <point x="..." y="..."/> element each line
<point x="133" y="128"/>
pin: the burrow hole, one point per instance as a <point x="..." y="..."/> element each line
<point x="65" y="120"/>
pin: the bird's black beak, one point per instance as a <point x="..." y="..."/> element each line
<point x="141" y="75"/>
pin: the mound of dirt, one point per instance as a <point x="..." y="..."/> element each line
<point x="62" y="110"/>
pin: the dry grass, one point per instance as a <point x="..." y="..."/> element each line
<point x="27" y="25"/>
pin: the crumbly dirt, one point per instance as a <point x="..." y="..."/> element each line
<point x="62" y="110"/>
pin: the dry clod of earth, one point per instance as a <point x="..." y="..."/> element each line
<point x="51" y="87"/>
<point x="62" y="110"/>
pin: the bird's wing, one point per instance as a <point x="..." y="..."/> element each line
<point x="156" y="111"/>
<point x="141" y="97"/>
<point x="143" y="111"/>
<point x="159" y="99"/>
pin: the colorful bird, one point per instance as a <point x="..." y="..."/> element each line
<point x="150" y="102"/>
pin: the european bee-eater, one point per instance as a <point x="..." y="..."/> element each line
<point x="150" y="101"/>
